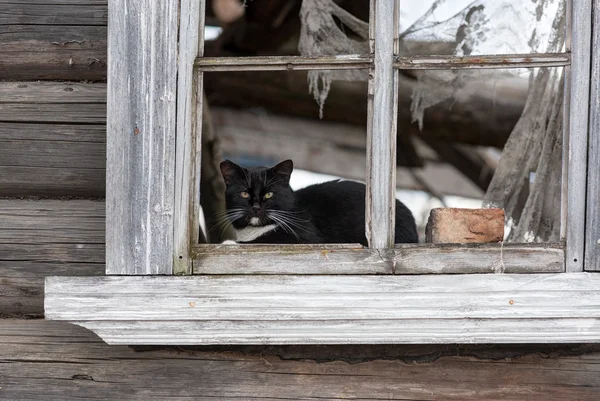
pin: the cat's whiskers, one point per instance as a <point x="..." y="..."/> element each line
<point x="283" y="224"/>
<point x="226" y="217"/>
<point x="288" y="222"/>
<point x="291" y="215"/>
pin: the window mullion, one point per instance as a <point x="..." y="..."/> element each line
<point x="581" y="32"/>
<point x="381" y="136"/>
<point x="592" y="246"/>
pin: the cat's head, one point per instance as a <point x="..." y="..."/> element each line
<point x="255" y="195"/>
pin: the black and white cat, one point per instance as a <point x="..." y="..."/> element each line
<point x="264" y="209"/>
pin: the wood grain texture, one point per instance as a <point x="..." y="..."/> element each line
<point x="283" y="63"/>
<point x="479" y="258"/>
<point x="295" y="259"/>
<point x="46" y="237"/>
<point x="381" y="130"/>
<point x="42" y="50"/>
<point x="52" y="139"/>
<point x="331" y="309"/>
<point x="451" y="62"/>
<point x="404" y="259"/>
<point x="55" y="361"/>
<point x="578" y="129"/>
<point x="61" y="12"/>
<point x="592" y="234"/>
<point x="141" y="118"/>
<point x="191" y="21"/>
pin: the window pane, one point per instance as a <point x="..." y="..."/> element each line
<point x="286" y="28"/>
<point x="491" y="137"/>
<point x="466" y="27"/>
<point x="262" y="118"/>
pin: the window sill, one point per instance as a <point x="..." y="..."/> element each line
<point x="285" y="309"/>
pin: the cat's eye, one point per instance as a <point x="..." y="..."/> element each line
<point x="245" y="195"/>
<point x="268" y="195"/>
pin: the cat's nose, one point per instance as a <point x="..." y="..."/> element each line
<point x="256" y="207"/>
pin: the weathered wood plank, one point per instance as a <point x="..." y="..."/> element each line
<point x="592" y="234"/>
<point x="140" y="174"/>
<point x="581" y="34"/>
<point x="189" y="101"/>
<point x="55" y="361"/>
<point x="52" y="92"/>
<point x="84" y="113"/>
<point x="331" y="309"/>
<point x="296" y="259"/>
<point x="53" y="154"/>
<point x="404" y="259"/>
<point x="283" y="63"/>
<point x="62" y="12"/>
<point x="38" y="181"/>
<point x="70" y="52"/>
<point x="52" y="139"/>
<point x="480" y="258"/>
<point x="452" y="62"/>
<point x="51" y="133"/>
<point x="381" y="129"/>
<point x="46" y="237"/>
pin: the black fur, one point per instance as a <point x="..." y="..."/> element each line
<point x="331" y="212"/>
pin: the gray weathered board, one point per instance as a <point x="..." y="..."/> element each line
<point x="577" y="130"/>
<point x="56" y="361"/>
<point x="141" y="116"/>
<point x="381" y="127"/>
<point x="354" y="259"/>
<point x="507" y="308"/>
<point x="63" y="39"/>
<point x="592" y="246"/>
<point x="52" y="139"/>
<point x="186" y="180"/>
<point x="46" y="238"/>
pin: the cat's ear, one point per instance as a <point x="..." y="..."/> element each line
<point x="284" y="168"/>
<point x="231" y="171"/>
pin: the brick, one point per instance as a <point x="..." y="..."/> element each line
<point x="459" y="226"/>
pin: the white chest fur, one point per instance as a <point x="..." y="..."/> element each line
<point x="251" y="233"/>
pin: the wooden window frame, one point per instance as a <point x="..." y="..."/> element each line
<point x="320" y="294"/>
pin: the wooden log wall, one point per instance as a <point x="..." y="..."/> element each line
<point x="52" y="146"/>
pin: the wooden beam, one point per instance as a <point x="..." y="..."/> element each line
<point x="46" y="237"/>
<point x="34" y="47"/>
<point x="141" y="116"/>
<point x="55" y="361"/>
<point x="580" y="27"/>
<point x="491" y="112"/>
<point x="52" y="139"/>
<point x="191" y="19"/>
<point x="451" y="62"/>
<point x="323" y="147"/>
<point x="255" y="309"/>
<point x="592" y="233"/>
<point x="329" y="259"/>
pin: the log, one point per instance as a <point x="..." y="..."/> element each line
<point x="49" y="52"/>
<point x="55" y="361"/>
<point x="324" y="147"/>
<point x="43" y="238"/>
<point x="484" y="118"/>
<point x="52" y="139"/>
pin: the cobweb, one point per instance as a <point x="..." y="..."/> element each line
<point x="320" y="36"/>
<point x="479" y="27"/>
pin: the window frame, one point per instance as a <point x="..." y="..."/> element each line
<point x="383" y="59"/>
<point x="141" y="301"/>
